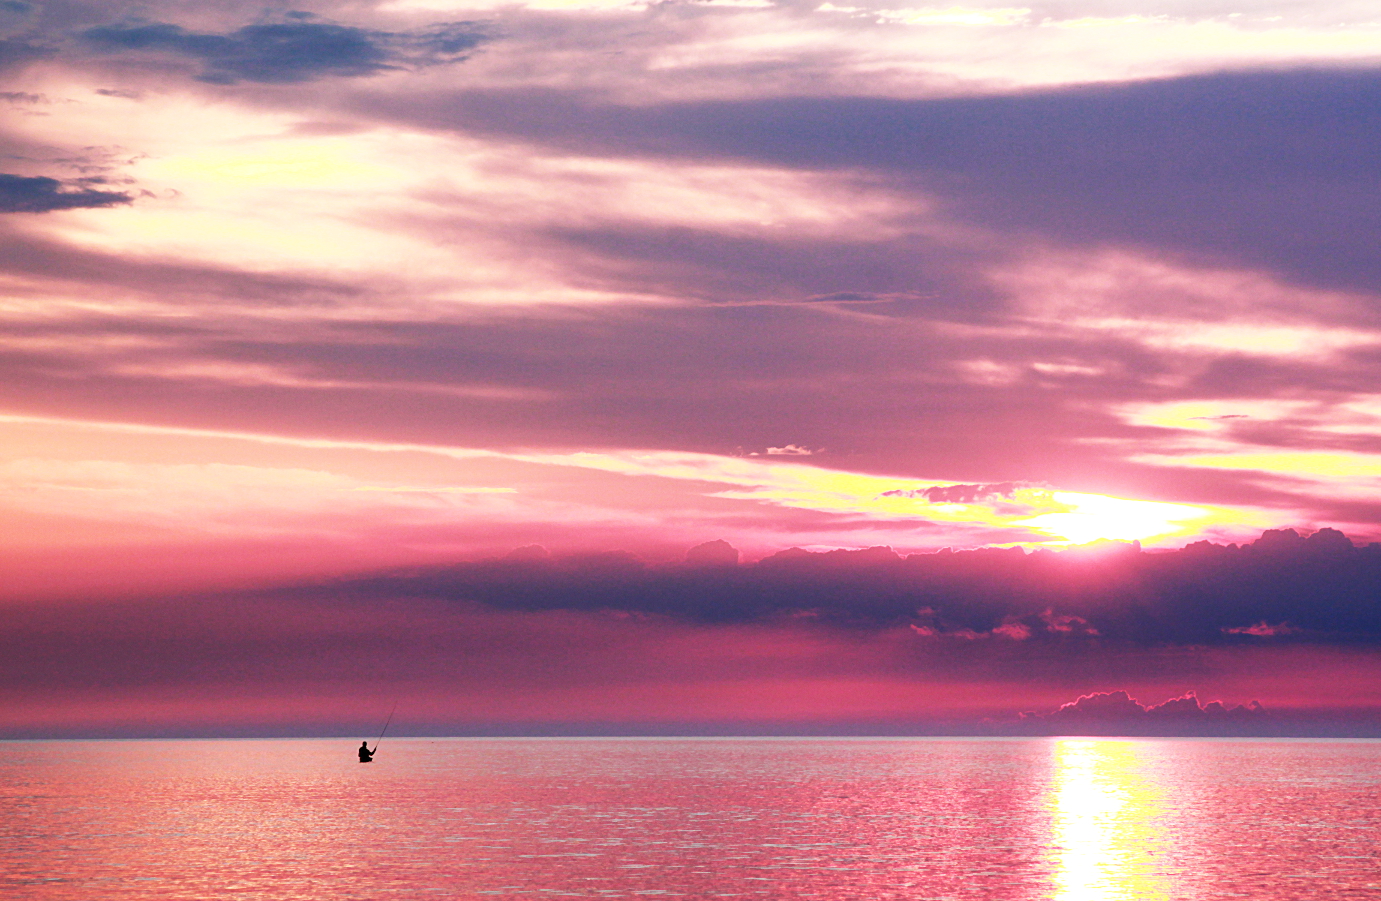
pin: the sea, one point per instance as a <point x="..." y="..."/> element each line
<point x="753" y="818"/>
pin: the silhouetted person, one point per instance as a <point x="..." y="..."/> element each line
<point x="366" y="755"/>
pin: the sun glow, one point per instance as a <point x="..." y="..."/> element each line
<point x="1081" y="518"/>
<point x="904" y="510"/>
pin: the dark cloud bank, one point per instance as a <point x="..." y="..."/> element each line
<point x="1282" y="587"/>
<point x="1013" y="625"/>
<point x="1103" y="603"/>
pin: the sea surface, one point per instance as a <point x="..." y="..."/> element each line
<point x="992" y="819"/>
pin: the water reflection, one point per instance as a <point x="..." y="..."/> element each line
<point x="753" y="819"/>
<point x="1109" y="841"/>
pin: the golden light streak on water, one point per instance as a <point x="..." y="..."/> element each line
<point x="1107" y="830"/>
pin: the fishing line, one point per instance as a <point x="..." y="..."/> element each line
<point x="386" y="722"/>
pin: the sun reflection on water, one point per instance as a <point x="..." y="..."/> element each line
<point x="1108" y="839"/>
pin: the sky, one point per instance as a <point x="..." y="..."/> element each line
<point x="361" y="353"/>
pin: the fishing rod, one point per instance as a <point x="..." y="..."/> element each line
<point x="386" y="722"/>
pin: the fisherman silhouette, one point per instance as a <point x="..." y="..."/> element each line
<point x="366" y="755"/>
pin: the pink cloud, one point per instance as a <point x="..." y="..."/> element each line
<point x="1263" y="630"/>
<point x="1012" y="631"/>
<point x="1066" y="623"/>
<point x="1016" y="631"/>
<point x="252" y="448"/>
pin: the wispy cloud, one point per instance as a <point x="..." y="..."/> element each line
<point x="303" y="294"/>
<point x="296" y="50"/>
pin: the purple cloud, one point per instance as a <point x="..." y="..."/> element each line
<point x="292" y="51"/>
<point x="1196" y="596"/>
<point x="1101" y="712"/>
<point x="1262" y="629"/>
<point x="39" y="194"/>
<point x="1203" y="166"/>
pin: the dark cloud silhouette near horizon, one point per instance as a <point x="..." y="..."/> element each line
<point x="1118" y="713"/>
<point x="530" y="657"/>
<point x="241" y="663"/>
<point x="1319" y="589"/>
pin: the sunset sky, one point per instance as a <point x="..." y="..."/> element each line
<point x="313" y="312"/>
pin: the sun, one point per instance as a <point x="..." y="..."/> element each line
<point x="1082" y="518"/>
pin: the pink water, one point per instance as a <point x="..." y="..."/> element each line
<point x="1082" y="820"/>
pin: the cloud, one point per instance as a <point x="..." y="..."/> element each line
<point x="38" y="194"/>
<point x="1019" y="390"/>
<point x="241" y="661"/>
<point x="709" y="379"/>
<point x="15" y="52"/>
<point x="1117" y="711"/>
<point x="1198" y="596"/>
<point x="157" y="280"/>
<point x="1014" y="631"/>
<point x="1262" y="629"/>
<point x="293" y="51"/>
<point x="931" y="624"/>
<point x="954" y="15"/>
<point x="237" y="664"/>
<point x="661" y="210"/>
<point x="1208" y="166"/>
<point x="1066" y="623"/>
<point x="713" y="553"/>
<point x="960" y="494"/>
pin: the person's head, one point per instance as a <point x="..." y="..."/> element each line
<point x="364" y="744"/>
